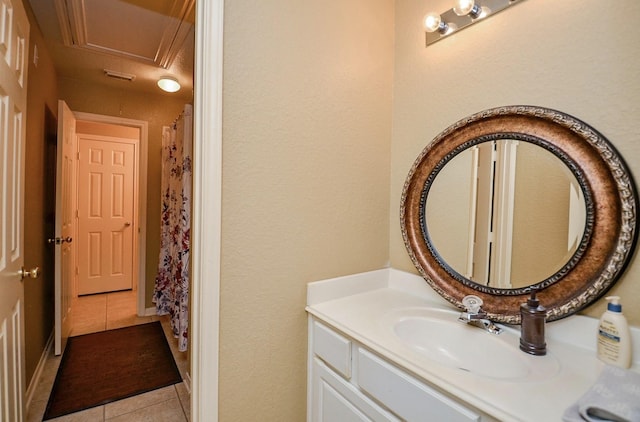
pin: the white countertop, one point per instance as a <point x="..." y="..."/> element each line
<point x="358" y="305"/>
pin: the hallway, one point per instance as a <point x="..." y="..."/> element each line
<point x="105" y="312"/>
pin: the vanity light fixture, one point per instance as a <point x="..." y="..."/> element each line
<point x="464" y="13"/>
<point x="169" y="84"/>
<point x="433" y="22"/>
<point x="467" y="7"/>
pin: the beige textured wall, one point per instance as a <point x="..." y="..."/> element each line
<point x="306" y="133"/>
<point x="158" y="110"/>
<point x="576" y="56"/>
<point x="38" y="294"/>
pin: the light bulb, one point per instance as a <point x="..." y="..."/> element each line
<point x="433" y="22"/>
<point x="467" y="7"/>
<point x="169" y="84"/>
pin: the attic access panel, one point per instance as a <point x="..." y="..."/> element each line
<point x="148" y="31"/>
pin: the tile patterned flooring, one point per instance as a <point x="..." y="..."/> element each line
<point x="106" y="312"/>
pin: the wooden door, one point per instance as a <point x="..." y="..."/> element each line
<point x="14" y="47"/>
<point x="65" y="225"/>
<point x="106" y="199"/>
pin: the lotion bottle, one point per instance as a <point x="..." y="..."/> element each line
<point x="614" y="337"/>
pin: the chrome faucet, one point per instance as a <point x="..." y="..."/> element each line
<point x="474" y="315"/>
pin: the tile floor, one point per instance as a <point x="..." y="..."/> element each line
<point x="105" y="312"/>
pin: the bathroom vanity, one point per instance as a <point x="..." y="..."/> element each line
<point x="383" y="346"/>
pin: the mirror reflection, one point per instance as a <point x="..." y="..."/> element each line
<point x="505" y="214"/>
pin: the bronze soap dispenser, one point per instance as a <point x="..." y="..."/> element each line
<point x="533" y="317"/>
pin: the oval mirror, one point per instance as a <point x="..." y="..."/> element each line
<point x="516" y="197"/>
<point x="505" y="214"/>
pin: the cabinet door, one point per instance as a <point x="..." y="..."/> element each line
<point x="335" y="400"/>
<point x="407" y="397"/>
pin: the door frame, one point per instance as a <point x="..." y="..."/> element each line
<point x="204" y="327"/>
<point x="141" y="178"/>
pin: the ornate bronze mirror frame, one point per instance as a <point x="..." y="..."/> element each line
<point x="610" y="202"/>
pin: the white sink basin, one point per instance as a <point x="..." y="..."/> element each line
<point x="437" y="335"/>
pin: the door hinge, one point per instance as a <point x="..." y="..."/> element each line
<point x="77" y="271"/>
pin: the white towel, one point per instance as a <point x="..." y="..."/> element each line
<point x="614" y="397"/>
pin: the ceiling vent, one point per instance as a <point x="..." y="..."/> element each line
<point x="119" y="75"/>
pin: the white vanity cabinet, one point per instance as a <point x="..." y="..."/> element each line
<point x="348" y="382"/>
<point x="361" y="369"/>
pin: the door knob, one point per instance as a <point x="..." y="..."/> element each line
<point x="127" y="224"/>
<point x="32" y="273"/>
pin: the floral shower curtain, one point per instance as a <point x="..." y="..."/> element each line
<point x="171" y="293"/>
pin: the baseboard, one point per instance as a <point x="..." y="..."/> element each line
<point x="187" y="382"/>
<point x="150" y="311"/>
<point x="35" y="379"/>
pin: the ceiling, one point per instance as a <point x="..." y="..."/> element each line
<point x="144" y="38"/>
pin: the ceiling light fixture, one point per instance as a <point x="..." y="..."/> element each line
<point x="464" y="13"/>
<point x="169" y="84"/>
